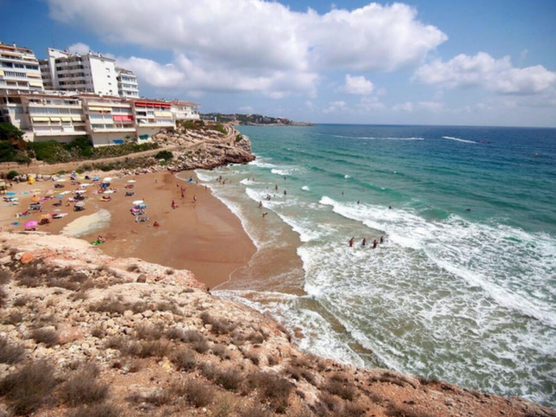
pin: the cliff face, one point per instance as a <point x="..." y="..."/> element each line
<point x="84" y="334"/>
<point x="206" y="149"/>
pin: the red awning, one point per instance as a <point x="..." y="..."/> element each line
<point x="123" y="118"/>
<point x="152" y="104"/>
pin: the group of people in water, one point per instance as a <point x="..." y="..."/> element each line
<point x="364" y="242"/>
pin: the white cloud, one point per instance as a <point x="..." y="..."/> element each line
<point x="79" y="48"/>
<point x="336" y="107"/>
<point x="407" y="107"/>
<point x="157" y="75"/>
<point x="357" y="85"/>
<point x="255" y="45"/>
<point x="482" y="70"/>
<point x="420" y="106"/>
<point x="370" y="103"/>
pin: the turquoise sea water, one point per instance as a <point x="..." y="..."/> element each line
<point x="463" y="288"/>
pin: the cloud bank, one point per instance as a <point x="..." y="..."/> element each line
<point x="482" y="70"/>
<point x="254" y="45"/>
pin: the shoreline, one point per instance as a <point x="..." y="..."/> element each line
<point x="204" y="236"/>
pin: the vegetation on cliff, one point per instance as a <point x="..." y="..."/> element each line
<point x="84" y="334"/>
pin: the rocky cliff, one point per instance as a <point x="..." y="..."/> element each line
<point x="84" y="334"/>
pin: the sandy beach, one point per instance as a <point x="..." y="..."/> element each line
<point x="201" y="234"/>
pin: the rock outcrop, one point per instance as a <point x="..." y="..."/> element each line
<point x="85" y="334"/>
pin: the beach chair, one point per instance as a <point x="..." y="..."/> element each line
<point x="141" y="219"/>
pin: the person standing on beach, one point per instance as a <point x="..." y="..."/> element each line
<point x="375" y="243"/>
<point x="194" y="198"/>
<point x="173" y="205"/>
<point x="364" y="242"/>
<point x="351" y="242"/>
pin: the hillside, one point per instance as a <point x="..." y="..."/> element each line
<point x="84" y="334"/>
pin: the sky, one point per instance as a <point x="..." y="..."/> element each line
<point x="425" y="62"/>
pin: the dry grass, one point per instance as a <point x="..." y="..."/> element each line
<point x="197" y="393"/>
<point x="5" y="277"/>
<point x="83" y="388"/>
<point x="95" y="410"/>
<point x="29" y="388"/>
<point x="21" y="301"/>
<point x="229" y="379"/>
<point x="3" y="298"/>
<point x="218" y="326"/>
<point x="47" y="336"/>
<point x="184" y="359"/>
<point x="10" y="354"/>
<point x="272" y="390"/>
<point x="148" y="332"/>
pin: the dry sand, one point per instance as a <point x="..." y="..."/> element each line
<point x="204" y="237"/>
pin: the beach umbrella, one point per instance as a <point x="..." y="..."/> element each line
<point x="132" y="181"/>
<point x="80" y="204"/>
<point x="32" y="223"/>
<point x="10" y="193"/>
<point x="137" y="202"/>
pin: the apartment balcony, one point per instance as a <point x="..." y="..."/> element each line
<point x="58" y="130"/>
<point x="107" y="128"/>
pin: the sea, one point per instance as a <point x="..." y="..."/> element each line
<point x="463" y="286"/>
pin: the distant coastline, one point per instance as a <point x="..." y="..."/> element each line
<point x="253" y="120"/>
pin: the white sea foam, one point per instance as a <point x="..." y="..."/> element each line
<point x="305" y="188"/>
<point x="458" y="139"/>
<point x="476" y="253"/>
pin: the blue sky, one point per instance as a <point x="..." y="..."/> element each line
<point x="471" y="62"/>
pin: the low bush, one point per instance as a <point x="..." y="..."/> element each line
<point x="3" y="298"/>
<point x="166" y="155"/>
<point x="95" y="410"/>
<point x="197" y="393"/>
<point x="342" y="390"/>
<point x="20" y="301"/>
<point x="29" y="388"/>
<point x="5" y="277"/>
<point x="47" y="336"/>
<point x="272" y="390"/>
<point x="12" y="174"/>
<point x="83" y="388"/>
<point x="148" y="332"/>
<point x="9" y="353"/>
<point x="184" y="359"/>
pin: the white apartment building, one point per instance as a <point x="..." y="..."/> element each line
<point x="43" y="116"/>
<point x="127" y="83"/>
<point x="91" y="73"/>
<point x="185" y="110"/>
<point x="105" y="120"/>
<point x="19" y="69"/>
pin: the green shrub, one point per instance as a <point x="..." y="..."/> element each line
<point x="166" y="155"/>
<point x="12" y="174"/>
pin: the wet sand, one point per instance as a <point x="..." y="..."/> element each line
<point x="204" y="237"/>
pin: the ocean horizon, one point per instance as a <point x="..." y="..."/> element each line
<point x="462" y="289"/>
